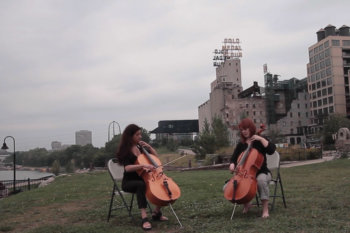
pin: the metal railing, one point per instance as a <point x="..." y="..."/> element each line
<point x="6" y="186"/>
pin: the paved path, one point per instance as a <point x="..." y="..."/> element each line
<point x="306" y="162"/>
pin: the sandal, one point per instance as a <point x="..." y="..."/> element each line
<point x="144" y="220"/>
<point x="157" y="216"/>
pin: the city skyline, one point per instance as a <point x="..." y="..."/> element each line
<point x="65" y="66"/>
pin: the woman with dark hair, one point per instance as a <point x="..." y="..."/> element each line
<point x="264" y="146"/>
<point x="129" y="149"/>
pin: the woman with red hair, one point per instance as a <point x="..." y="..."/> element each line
<point x="264" y="146"/>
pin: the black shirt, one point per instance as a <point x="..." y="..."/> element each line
<point x="130" y="160"/>
<point x="241" y="147"/>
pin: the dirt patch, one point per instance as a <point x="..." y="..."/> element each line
<point x="56" y="214"/>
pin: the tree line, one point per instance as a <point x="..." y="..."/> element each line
<point x="214" y="136"/>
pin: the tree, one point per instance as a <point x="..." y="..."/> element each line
<point x="145" y="135"/>
<point x="212" y="137"/>
<point x="56" y="167"/>
<point x="220" y="132"/>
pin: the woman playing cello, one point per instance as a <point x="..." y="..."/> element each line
<point x="248" y="136"/>
<point x="127" y="154"/>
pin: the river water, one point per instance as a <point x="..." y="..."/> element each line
<point x="23" y="175"/>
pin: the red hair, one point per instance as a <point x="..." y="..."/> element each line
<point x="247" y="123"/>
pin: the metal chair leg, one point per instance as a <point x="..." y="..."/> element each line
<point x="111" y="204"/>
<point x="284" y="200"/>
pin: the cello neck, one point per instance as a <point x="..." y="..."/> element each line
<point x="145" y="152"/>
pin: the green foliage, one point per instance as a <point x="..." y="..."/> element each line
<point x="70" y="166"/>
<point x="111" y="147"/>
<point x="145" y="135"/>
<point x="56" y="167"/>
<point x="171" y="145"/>
<point x="212" y="137"/>
<point x="220" y="132"/>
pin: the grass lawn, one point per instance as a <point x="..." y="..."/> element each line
<point x="318" y="200"/>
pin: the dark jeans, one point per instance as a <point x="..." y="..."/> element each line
<point x="139" y="188"/>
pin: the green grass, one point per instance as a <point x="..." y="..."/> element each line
<point x="318" y="200"/>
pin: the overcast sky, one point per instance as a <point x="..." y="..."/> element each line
<point x="69" y="65"/>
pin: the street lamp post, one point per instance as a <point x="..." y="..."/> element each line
<point x="5" y="147"/>
<point x="109" y="127"/>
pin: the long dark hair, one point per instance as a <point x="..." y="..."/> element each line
<point x="125" y="144"/>
<point x="247" y="123"/>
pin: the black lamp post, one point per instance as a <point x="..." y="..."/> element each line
<point x="5" y="147"/>
<point x="109" y="127"/>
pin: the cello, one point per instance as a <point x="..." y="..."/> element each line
<point x="160" y="189"/>
<point x="242" y="187"/>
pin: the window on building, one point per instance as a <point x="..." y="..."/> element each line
<point x="326" y="53"/>
<point x="323" y="82"/>
<point x="318" y="93"/>
<point x="318" y="75"/>
<point x="306" y="106"/>
<point x="306" y="114"/>
<point x="314" y="104"/>
<point x="322" y="65"/>
<point x="318" y="85"/>
<point x="325" y="101"/>
<point x="335" y="42"/>
<point x="311" y="53"/>
<point x="298" y="114"/>
<point x="319" y="103"/>
<point x="291" y="114"/>
<point x="346" y="42"/>
<point x="298" y="105"/>
<point x="329" y="90"/>
<point x="330" y="99"/>
<point x="329" y="81"/>
<point x="325" y="111"/>
<point x="326" y="44"/>
<point x="324" y="91"/>
<point x="331" y="109"/>
<point x="314" y="86"/>
<point x="315" y="112"/>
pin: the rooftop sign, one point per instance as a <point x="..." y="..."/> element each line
<point x="230" y="49"/>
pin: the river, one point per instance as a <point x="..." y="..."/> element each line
<point x="23" y="175"/>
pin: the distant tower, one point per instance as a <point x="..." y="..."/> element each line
<point x="83" y="137"/>
<point x="55" y="145"/>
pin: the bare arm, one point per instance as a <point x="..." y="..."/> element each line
<point x="135" y="167"/>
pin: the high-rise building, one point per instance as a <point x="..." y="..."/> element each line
<point x="328" y="74"/>
<point x="56" y="145"/>
<point x="83" y="137"/>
